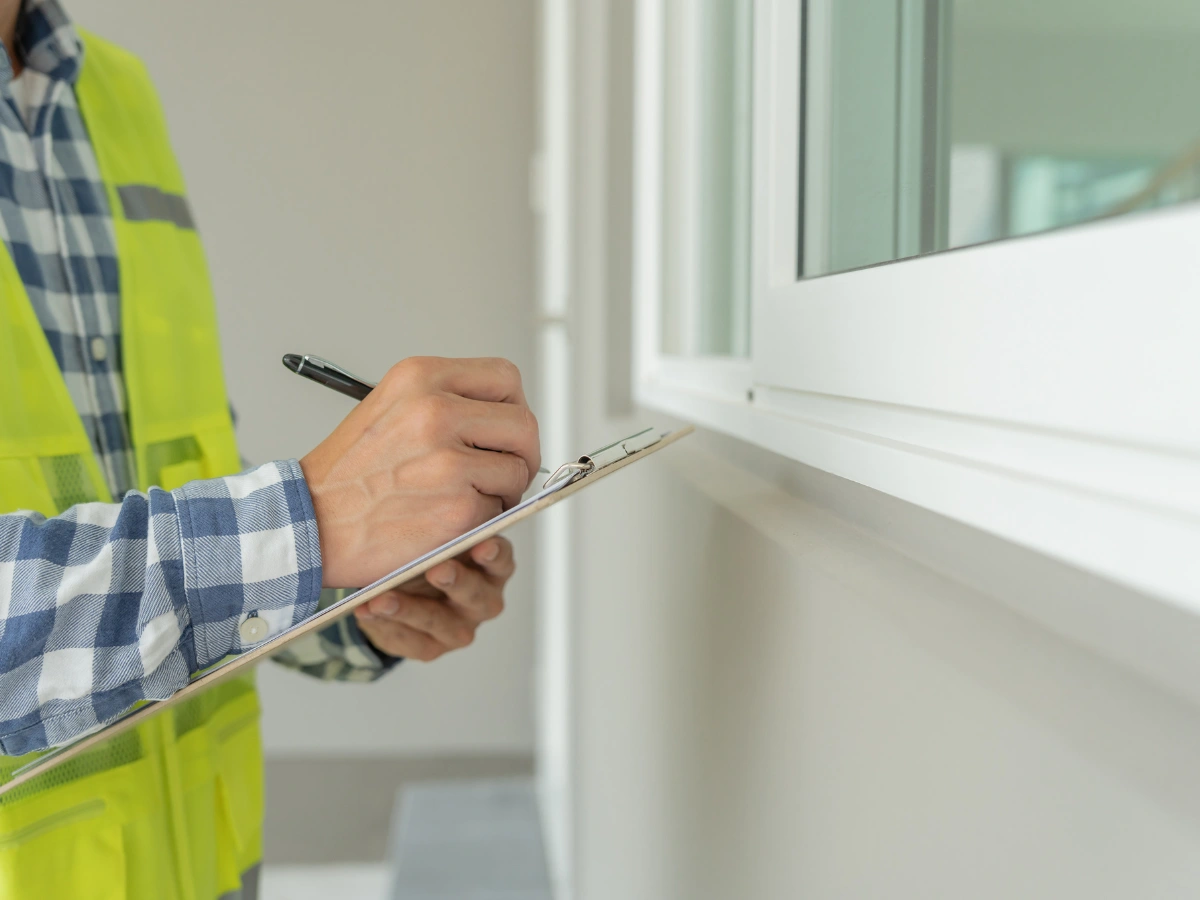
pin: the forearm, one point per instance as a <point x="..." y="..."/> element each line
<point x="110" y="604"/>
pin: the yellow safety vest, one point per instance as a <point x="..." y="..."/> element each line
<point x="172" y="810"/>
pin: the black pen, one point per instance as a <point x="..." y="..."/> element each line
<point x="322" y="371"/>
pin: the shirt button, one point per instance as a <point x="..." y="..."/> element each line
<point x="253" y="630"/>
<point x="99" y="349"/>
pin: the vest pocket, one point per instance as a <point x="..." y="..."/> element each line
<point x="76" y="852"/>
<point x="222" y="770"/>
<point x="179" y="474"/>
<point x="240" y="789"/>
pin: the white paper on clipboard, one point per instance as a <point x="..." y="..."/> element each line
<point x="566" y="480"/>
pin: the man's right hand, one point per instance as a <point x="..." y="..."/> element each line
<point x="413" y="465"/>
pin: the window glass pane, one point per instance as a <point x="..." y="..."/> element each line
<point x="962" y="121"/>
<point x="706" y="177"/>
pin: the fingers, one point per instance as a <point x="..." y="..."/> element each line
<point x="507" y="427"/>
<point x="500" y="475"/>
<point x="435" y="414"/>
<point x="446" y="626"/>
<point x="398" y="639"/>
<point x="495" y="380"/>
<point x="492" y="379"/>
<point x="402" y="622"/>
<point x="469" y="590"/>
<point x="495" y="557"/>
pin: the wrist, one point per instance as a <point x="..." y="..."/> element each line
<point x="331" y="526"/>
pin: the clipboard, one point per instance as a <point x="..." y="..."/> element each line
<point x="566" y="480"/>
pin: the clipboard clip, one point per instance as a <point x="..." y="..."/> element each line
<point x="604" y="457"/>
<point x="567" y="472"/>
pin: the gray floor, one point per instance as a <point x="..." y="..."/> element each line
<point x="340" y="810"/>
<point x="345" y="881"/>
<point x="472" y="840"/>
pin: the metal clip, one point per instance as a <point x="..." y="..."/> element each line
<point x="618" y="450"/>
<point x="568" y="472"/>
<point x="605" y="456"/>
<point x="319" y="362"/>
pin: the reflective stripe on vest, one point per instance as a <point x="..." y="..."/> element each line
<point x="174" y="808"/>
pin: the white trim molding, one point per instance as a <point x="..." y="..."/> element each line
<point x="1128" y="514"/>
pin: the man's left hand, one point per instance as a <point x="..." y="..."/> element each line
<point x="440" y="613"/>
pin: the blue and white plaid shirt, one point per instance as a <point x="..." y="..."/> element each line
<point x="109" y="604"/>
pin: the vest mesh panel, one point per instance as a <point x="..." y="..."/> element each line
<point x="68" y="480"/>
<point x="121" y="750"/>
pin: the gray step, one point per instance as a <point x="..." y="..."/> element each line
<point x="469" y="840"/>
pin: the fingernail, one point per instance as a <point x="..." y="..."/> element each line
<point x="490" y="551"/>
<point x="446" y="576"/>
<point x="388" y="606"/>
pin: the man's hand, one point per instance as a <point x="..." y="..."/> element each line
<point x="413" y="465"/>
<point x="441" y="613"/>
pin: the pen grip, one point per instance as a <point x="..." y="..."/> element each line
<point x="349" y="386"/>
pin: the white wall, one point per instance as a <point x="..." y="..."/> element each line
<point x="787" y="685"/>
<point x="359" y="172"/>
<point x="775" y="704"/>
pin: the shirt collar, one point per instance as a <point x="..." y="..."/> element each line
<point x="47" y="42"/>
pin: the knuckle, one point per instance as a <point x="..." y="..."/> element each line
<point x="518" y="471"/>
<point x="432" y="651"/>
<point x="412" y="370"/>
<point x="431" y="416"/>
<point x="465" y="637"/>
<point x="464" y="512"/>
<point x="529" y="421"/>
<point x="507" y="370"/>
<point x="445" y="468"/>
<point x="398" y="377"/>
<point x="419" y="647"/>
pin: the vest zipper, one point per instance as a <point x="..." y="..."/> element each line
<point x="88" y="810"/>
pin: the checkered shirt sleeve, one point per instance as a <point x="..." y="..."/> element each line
<point x="109" y="604"/>
<point x="339" y="652"/>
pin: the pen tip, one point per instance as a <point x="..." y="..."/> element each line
<point x="293" y="361"/>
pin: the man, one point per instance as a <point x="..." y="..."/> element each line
<point x="131" y="555"/>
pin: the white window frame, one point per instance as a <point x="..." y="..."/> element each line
<point x="1044" y="389"/>
<point x="727" y="378"/>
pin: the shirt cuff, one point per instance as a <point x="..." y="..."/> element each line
<point x="360" y="639"/>
<point x="251" y="557"/>
<point x="337" y="652"/>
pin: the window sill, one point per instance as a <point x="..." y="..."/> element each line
<point x="1128" y="514"/>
